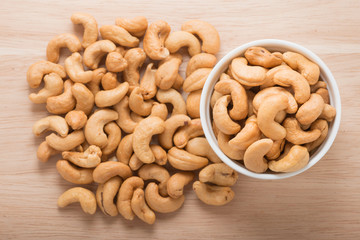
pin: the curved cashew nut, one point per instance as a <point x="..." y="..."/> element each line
<point x="231" y="152"/>
<point x="118" y="35"/>
<point x="207" y="33"/>
<point x="201" y="60"/>
<point x="75" y="69"/>
<point x="177" y="182"/>
<point x="67" y="143"/>
<point x="310" y="110"/>
<point x="254" y="155"/>
<point x="294" y="160"/>
<point x="135" y="58"/>
<point x="213" y="195"/>
<point x="109" y="81"/>
<point x="147" y="83"/>
<point x="159" y="203"/>
<point x="135" y="163"/>
<point x="221" y="117"/>
<point x="96" y="51"/>
<point x="179" y="39"/>
<point x="84" y="98"/>
<point x="238" y="96"/>
<point x="125" y="149"/>
<point x="78" y="194"/>
<point x="51" y="123"/>
<point x="140" y="207"/>
<point x="276" y="149"/>
<point x="171" y="124"/>
<point x="196" y="79"/>
<point x="125" y="195"/>
<point x="159" y="154"/>
<point x="60" y="41"/>
<point x="154" y="40"/>
<point x="174" y="98"/>
<point x="138" y="104"/>
<point x="94" y="128"/>
<point x="168" y="70"/>
<point x="142" y="136"/>
<point x="158" y="173"/>
<point x="260" y="56"/>
<point x="53" y="86"/>
<point x="269" y="81"/>
<point x="296" y="135"/>
<point x="193" y="104"/>
<point x="76" y="119"/>
<point x="159" y="110"/>
<point x="219" y="174"/>
<point x="307" y="68"/>
<point x="328" y="113"/>
<point x="105" y="195"/>
<point x="94" y="84"/>
<point x="106" y="170"/>
<point x="74" y="174"/>
<point x="115" y="62"/>
<point x="248" y="135"/>
<point x="266" y="115"/>
<point x="322" y="125"/>
<point x="178" y="82"/>
<point x="136" y="26"/>
<point x="90" y="27"/>
<point x="187" y="132"/>
<point x="107" y="98"/>
<point x="114" y="135"/>
<point x="88" y="159"/>
<point x="124" y="121"/>
<point x="199" y="146"/>
<point x="183" y="160"/>
<point x="44" y="152"/>
<point x="246" y="74"/>
<point x="37" y="70"/>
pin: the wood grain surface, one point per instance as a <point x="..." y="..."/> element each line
<point x="322" y="203"/>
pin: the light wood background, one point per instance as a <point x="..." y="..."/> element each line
<point x="322" y="203"/>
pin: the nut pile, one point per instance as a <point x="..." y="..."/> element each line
<point x="270" y="110"/>
<point x="105" y="116"/>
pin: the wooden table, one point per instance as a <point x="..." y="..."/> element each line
<point x="322" y="203"/>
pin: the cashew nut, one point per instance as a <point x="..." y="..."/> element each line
<point x="74" y="174"/>
<point x="275" y="149"/>
<point x="179" y="39"/>
<point x="159" y="110"/>
<point x="114" y="135"/>
<point x="124" y="121"/>
<point x="94" y="84"/>
<point x="67" y="143"/>
<point x="296" y="135"/>
<point x="60" y="41"/>
<point x="168" y="70"/>
<point x="231" y="152"/>
<point x="147" y="83"/>
<point x="75" y="69"/>
<point x="90" y="27"/>
<point x="183" y="160"/>
<point x="246" y="74"/>
<point x="248" y="135"/>
<point x="78" y="194"/>
<point x="156" y="172"/>
<point x="310" y="110"/>
<point x="254" y="155"/>
<point x="201" y="60"/>
<point x="188" y="131"/>
<point x="140" y="208"/>
<point x="76" y="119"/>
<point x="138" y="104"/>
<point x="174" y="98"/>
<point x="53" y="86"/>
<point x="179" y="81"/>
<point x="106" y="98"/>
<point x="171" y="124"/>
<point x="96" y="51"/>
<point x="44" y="152"/>
<point x="322" y="125"/>
<point x="193" y="104"/>
<point x="294" y="160"/>
<point x="269" y="81"/>
<point x="324" y="93"/>
<point x="51" y="123"/>
<point x="328" y="113"/>
<point x="115" y="62"/>
<point x="37" y="70"/>
<point x="219" y="174"/>
<point x="106" y="170"/>
<point x="207" y="33"/>
<point x="135" y="58"/>
<point x="136" y="26"/>
<point x="213" y="195"/>
<point x="199" y="146"/>
<point x="196" y="79"/>
<point x="88" y="159"/>
<point x="177" y="182"/>
<point x="125" y="149"/>
<point x="260" y="56"/>
<point x="154" y="40"/>
<point x="135" y="163"/>
<point x="221" y="117"/>
<point x="118" y="35"/>
<point x="105" y="195"/>
<point x="125" y="195"/>
<point x="84" y="98"/>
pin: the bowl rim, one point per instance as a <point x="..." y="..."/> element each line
<point x="221" y="66"/>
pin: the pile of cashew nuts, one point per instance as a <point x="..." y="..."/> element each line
<point x="134" y="136"/>
<point x="270" y="110"/>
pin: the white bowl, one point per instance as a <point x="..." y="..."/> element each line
<point x="272" y="45"/>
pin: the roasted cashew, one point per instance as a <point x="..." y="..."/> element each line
<point x="246" y="74"/>
<point x="147" y="83"/>
<point x="125" y="195"/>
<point x="107" y="98"/>
<point x="294" y="160"/>
<point x="115" y="62"/>
<point x="179" y="39"/>
<point x="84" y="98"/>
<point x="75" y="69"/>
<point x="196" y="79"/>
<point x="53" y="86"/>
<point x="60" y="41"/>
<point x="248" y="135"/>
<point x="105" y="195"/>
<point x="156" y="172"/>
<point x="174" y="98"/>
<point x="183" y="160"/>
<point x="74" y="174"/>
<point x="322" y="125"/>
<point x="124" y="121"/>
<point x="178" y="82"/>
<point x="140" y="208"/>
<point x="136" y="26"/>
<point x="142" y="136"/>
<point x="67" y="143"/>
<point x="231" y="152"/>
<point x="213" y="195"/>
<point x="90" y="27"/>
<point x="106" y="170"/>
<point x="94" y="85"/>
<point x="114" y="135"/>
<point x="125" y="149"/>
<point x="269" y="81"/>
<point x="118" y="35"/>
<point x="307" y="68"/>
<point x="88" y="159"/>
<point x="254" y="155"/>
<point x="238" y="96"/>
<point x="171" y="124"/>
<point x="94" y="128"/>
<point x="219" y="174"/>
<point x="138" y="104"/>
<point x="76" y="119"/>
<point x="159" y="203"/>
<point x="135" y="58"/>
<point x="310" y="110"/>
<point x="187" y="132"/>
<point x="201" y="60"/>
<point x="135" y="163"/>
<point x="78" y="194"/>
<point x="37" y="70"/>
<point x="207" y="33"/>
<point x="159" y="154"/>
<point x="96" y="51"/>
<point x="260" y="56"/>
<point x="51" y="123"/>
<point x="199" y="146"/>
<point x="193" y="104"/>
<point x="221" y="116"/>
<point x="296" y="135"/>
<point x="328" y="113"/>
<point x="154" y="40"/>
<point x="109" y="81"/>
<point x="266" y="115"/>
<point x="159" y="110"/>
<point x="167" y="72"/>
<point x="177" y="182"/>
<point x="275" y="149"/>
<point x="324" y="93"/>
<point x="44" y="152"/>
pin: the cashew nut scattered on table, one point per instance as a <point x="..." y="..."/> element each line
<point x="74" y="174"/>
<point x="53" y="86"/>
<point x="135" y="26"/>
<point x="105" y="195"/>
<point x="213" y="195"/>
<point x="90" y="27"/>
<point x="62" y="40"/>
<point x="125" y="195"/>
<point x="154" y="40"/>
<point x="78" y="194"/>
<point x="219" y="174"/>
